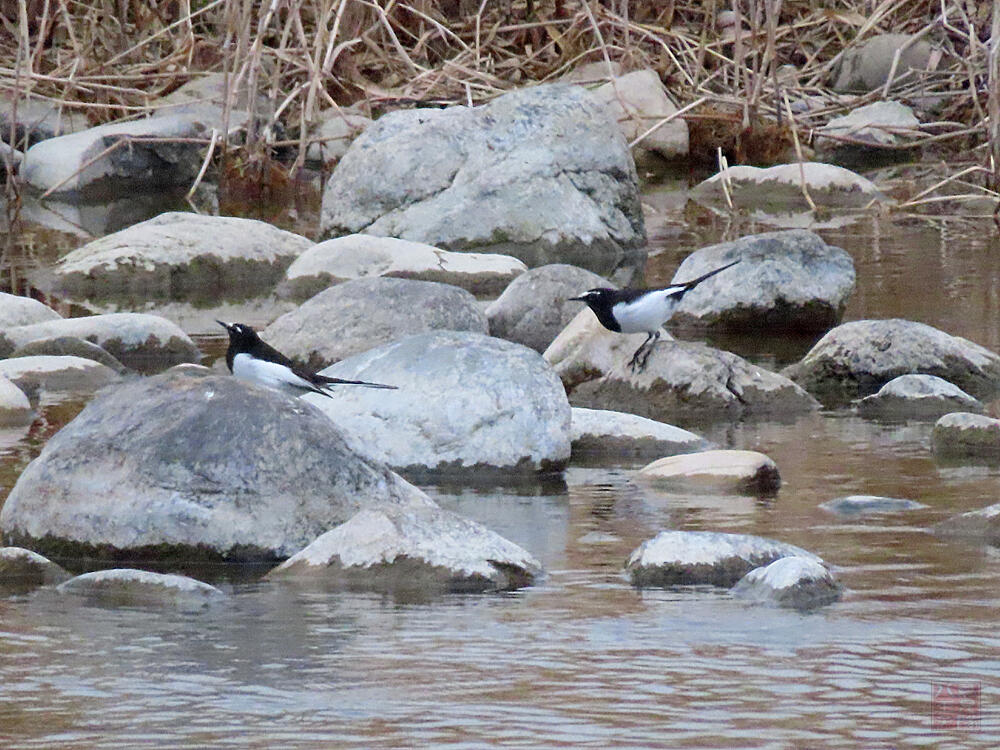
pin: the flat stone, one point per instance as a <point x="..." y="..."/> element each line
<point x="541" y="173"/>
<point x="856" y="359"/>
<point x="467" y="405"/>
<point x="15" y="409"/>
<point x="743" y="472"/>
<point x="189" y="466"/>
<point x="22" y="311"/>
<point x="361" y="255"/>
<point x="126" y="587"/>
<point x="674" y="558"/>
<point x="779" y="189"/>
<point x="859" y="505"/>
<point x="168" y="257"/>
<point x="358" y="315"/>
<point x="535" y="306"/>
<point x="638" y="101"/>
<point x="966" y="435"/>
<point x="66" y="374"/>
<point x="138" y="340"/>
<point x="22" y="570"/>
<point x="61" y="346"/>
<point x="794" y="582"/>
<point x="980" y="526"/>
<point x="597" y="432"/>
<point x="876" y="130"/>
<point x="918" y="397"/>
<point x="425" y="548"/>
<point x="785" y="281"/>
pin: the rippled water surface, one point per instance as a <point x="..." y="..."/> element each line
<point x="583" y="659"/>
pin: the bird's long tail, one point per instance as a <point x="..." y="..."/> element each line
<point x="323" y="380"/>
<point x="694" y="282"/>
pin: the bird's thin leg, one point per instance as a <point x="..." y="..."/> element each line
<point x="635" y="364"/>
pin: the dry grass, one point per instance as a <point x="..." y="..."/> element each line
<point x="111" y="58"/>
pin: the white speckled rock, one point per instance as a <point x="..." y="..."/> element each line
<point x="141" y="341"/>
<point x="194" y="466"/>
<point x="779" y="188"/>
<point x="178" y="255"/>
<point x="980" y="526"/>
<point x="22" y="570"/>
<point x="858" y="505"/>
<point x="785" y="281"/>
<point x="129" y="587"/>
<point x="682" y="381"/>
<point x="856" y="359"/>
<point x="68" y="163"/>
<point x="467" y="404"/>
<point x="358" y="315"/>
<point x="14" y="406"/>
<point x="697" y="557"/>
<point x="359" y="255"/>
<point x="412" y="549"/>
<point x="744" y="472"/>
<point x="965" y="435"/>
<point x="61" y="374"/>
<point x="535" y="307"/>
<point x="22" y="311"/>
<point x="638" y="101"/>
<point x="613" y="433"/>
<point x="795" y="582"/>
<point x="918" y="397"/>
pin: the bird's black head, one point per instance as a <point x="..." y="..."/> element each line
<point x="601" y="301"/>
<point x="241" y="336"/>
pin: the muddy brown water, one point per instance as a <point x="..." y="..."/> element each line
<point x="583" y="659"/>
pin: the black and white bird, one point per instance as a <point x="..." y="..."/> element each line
<point x="640" y="310"/>
<point x="249" y="358"/>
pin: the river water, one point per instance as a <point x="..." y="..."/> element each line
<point x="583" y="659"/>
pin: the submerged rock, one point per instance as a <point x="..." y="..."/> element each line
<point x="779" y="188"/>
<point x="857" y="358"/>
<point x="698" y="557"/>
<point x="401" y="549"/>
<point x="60" y="374"/>
<point x="785" y="281"/>
<point x="126" y="587"/>
<point x="467" y="404"/>
<point x="361" y="255"/>
<point x="744" y="472"/>
<point x="966" y="435"/>
<point x="140" y="341"/>
<point x="597" y="432"/>
<point x="359" y="315"/>
<point x="15" y="409"/>
<point x="535" y="307"/>
<point x="684" y="380"/>
<point x="22" y="311"/>
<point x="795" y="582"/>
<point x="22" y="570"/>
<point x="858" y="505"/>
<point x="981" y="526"/>
<point x="191" y="466"/>
<point x="917" y="397"/>
<point x="542" y="173"/>
<point x="168" y="257"/>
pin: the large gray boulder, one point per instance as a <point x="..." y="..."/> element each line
<point x="917" y="397"/>
<point x="358" y="315"/>
<point x="153" y="153"/>
<point x="541" y="173"/>
<point x="192" y="466"/>
<point x="407" y="549"/>
<point x="856" y="359"/>
<point x="696" y="557"/>
<point x="794" y="582"/>
<point x="535" y="306"/>
<point x="359" y="255"/>
<point x="181" y="255"/>
<point x="143" y="342"/>
<point x="785" y="281"/>
<point x="22" y="311"/>
<point x="467" y="404"/>
<point x="686" y="381"/>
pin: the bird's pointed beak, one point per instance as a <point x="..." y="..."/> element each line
<point x="576" y="299"/>
<point x="224" y="325"/>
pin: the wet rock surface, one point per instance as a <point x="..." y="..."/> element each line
<point x="601" y="433"/>
<point x="65" y="374"/>
<point x="795" y="582"/>
<point x="917" y="397"/>
<point x="22" y="570"/>
<point x="960" y="434"/>
<point x="746" y="472"/>
<point x="862" y="505"/>
<point x="127" y="587"/>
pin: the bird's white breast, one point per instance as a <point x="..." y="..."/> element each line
<point x="267" y="373"/>
<point x="647" y="313"/>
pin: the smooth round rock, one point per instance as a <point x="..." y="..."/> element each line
<point x="794" y="582"/>
<point x="743" y="472"/>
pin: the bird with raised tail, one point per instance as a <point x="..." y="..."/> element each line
<point x="250" y="358"/>
<point x="641" y="310"/>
